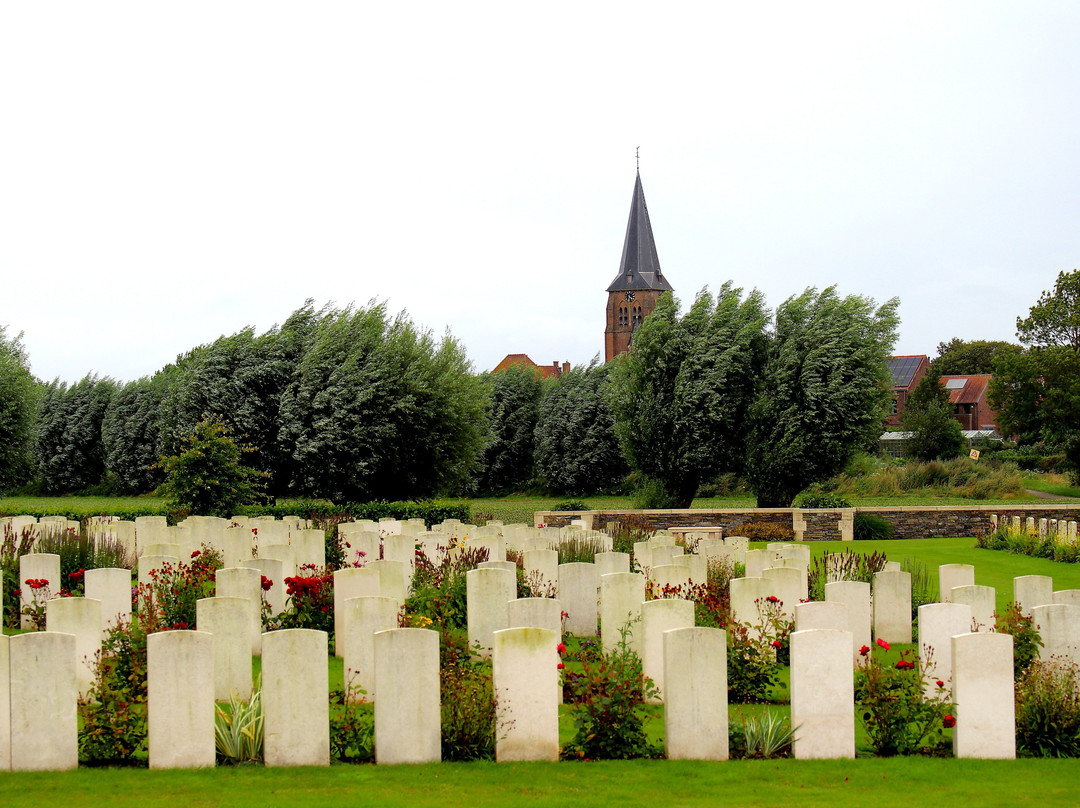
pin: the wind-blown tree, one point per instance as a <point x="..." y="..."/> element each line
<point x="513" y="408"/>
<point x="959" y="358"/>
<point x="682" y="393"/>
<point x="131" y="433"/>
<point x="1036" y="390"/>
<point x="19" y="392"/>
<point x="377" y="409"/>
<point x="825" y="391"/>
<point x="70" y="455"/>
<point x="577" y="450"/>
<point x="928" y="416"/>
<point x="242" y="378"/>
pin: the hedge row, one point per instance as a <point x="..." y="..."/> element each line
<point x="431" y="512"/>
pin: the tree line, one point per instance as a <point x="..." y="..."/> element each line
<point x="357" y="404"/>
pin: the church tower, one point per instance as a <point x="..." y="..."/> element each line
<point x="633" y="294"/>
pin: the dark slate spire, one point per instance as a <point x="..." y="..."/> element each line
<point x="640" y="267"/>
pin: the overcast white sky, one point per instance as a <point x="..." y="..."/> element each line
<point x="173" y="172"/>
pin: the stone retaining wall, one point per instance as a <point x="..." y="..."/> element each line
<point x="909" y="522"/>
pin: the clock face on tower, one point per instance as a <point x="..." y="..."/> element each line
<point x="629" y="296"/>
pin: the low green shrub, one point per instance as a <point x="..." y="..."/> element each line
<point x="816" y="498"/>
<point x="764" y="531"/>
<point x="1048" y="709"/>
<point x="897" y="717"/>
<point x="467" y="705"/>
<point x="762" y="737"/>
<point x="1026" y="637"/>
<point x="570" y="505"/>
<point x="112" y="715"/>
<point x="352" y="725"/>
<point x="580" y="550"/>
<point x="871" y="527"/>
<point x="607" y="705"/>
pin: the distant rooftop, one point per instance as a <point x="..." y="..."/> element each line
<point x="903" y="368"/>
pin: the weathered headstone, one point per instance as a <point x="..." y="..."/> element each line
<point x="983" y="692"/>
<point x="695" y="699"/>
<point x="822" y="695"/>
<point x="180" y="688"/>
<point x="525" y="675"/>
<point x="296" y="711"/>
<point x="407" y="718"/>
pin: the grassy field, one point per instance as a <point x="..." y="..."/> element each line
<point x="673" y="784"/>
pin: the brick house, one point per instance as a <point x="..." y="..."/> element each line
<point x="543" y="371"/>
<point x="967" y="394"/>
<point x="907" y="372"/>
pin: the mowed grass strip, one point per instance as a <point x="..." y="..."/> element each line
<point x="994" y="568"/>
<point x="863" y="782"/>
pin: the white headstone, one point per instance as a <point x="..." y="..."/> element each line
<point x="38" y="567"/>
<point x="361" y="619"/>
<point x="621" y="596"/>
<point x="938" y="624"/>
<point x="1032" y="590"/>
<point x="983" y="692"/>
<point x="180" y="686"/>
<point x="657" y="617"/>
<point x="696" y="704"/>
<point x="112" y="586"/>
<point x="822" y="694"/>
<point x="578" y="587"/>
<point x="80" y="617"/>
<point x="229" y="621"/>
<point x="296" y="708"/>
<point x="856" y="596"/>
<point x="525" y="675"/>
<point x="1059" y="627"/>
<point x="349" y="583"/>
<point x="487" y="593"/>
<point x="892" y="606"/>
<point x="954" y="575"/>
<point x="44" y="725"/>
<point x="981" y="599"/>
<point x="407" y="717"/>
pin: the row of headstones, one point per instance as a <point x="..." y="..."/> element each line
<point x="1061" y="529"/>
<point x="1056" y="613"/>
<point x="40" y="681"/>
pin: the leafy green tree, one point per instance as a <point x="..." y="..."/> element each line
<point x="243" y="377"/>
<point x="70" y="454"/>
<point x="377" y="409"/>
<point x="1036" y="390"/>
<point x="959" y="358"/>
<point x="682" y="393"/>
<point x="513" y="409"/>
<point x="928" y="415"/>
<point x="825" y="391"/>
<point x="131" y="434"/>
<point x="207" y="477"/>
<point x="19" y="392"/>
<point x="577" y="450"/>
<point x="1054" y="321"/>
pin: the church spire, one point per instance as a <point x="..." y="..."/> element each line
<point x="639" y="268"/>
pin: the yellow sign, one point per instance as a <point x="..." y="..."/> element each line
<point x="974" y="454"/>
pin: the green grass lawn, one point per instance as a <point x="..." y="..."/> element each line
<point x="672" y="784"/>
<point x="992" y="567"/>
